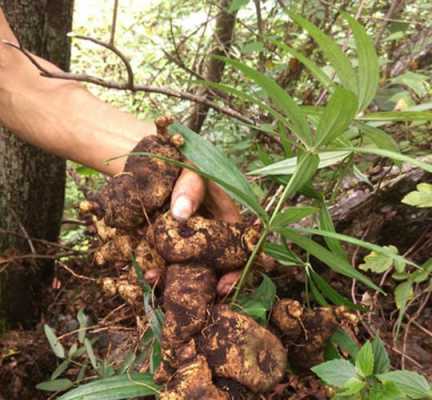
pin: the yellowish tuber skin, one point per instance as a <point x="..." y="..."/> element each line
<point x="216" y="243"/>
<point x="238" y="348"/>
<point x="118" y="251"/>
<point x="189" y="290"/>
<point x="193" y="381"/>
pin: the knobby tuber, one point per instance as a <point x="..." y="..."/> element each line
<point x="208" y="350"/>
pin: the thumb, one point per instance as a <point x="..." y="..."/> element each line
<point x="187" y="195"/>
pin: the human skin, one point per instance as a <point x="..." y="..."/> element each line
<point x="63" y="118"/>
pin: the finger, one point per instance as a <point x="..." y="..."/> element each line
<point x="221" y="205"/>
<point x="187" y="195"/>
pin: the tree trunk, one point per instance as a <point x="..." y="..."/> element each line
<point x="222" y="39"/>
<point x="32" y="182"/>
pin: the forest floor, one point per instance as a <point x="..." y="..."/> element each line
<point x="118" y="328"/>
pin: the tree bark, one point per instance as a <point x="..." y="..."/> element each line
<point x="222" y="38"/>
<point x="32" y="182"/>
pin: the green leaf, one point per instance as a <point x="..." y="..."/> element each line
<point x="58" y="385"/>
<point x="334" y="54"/>
<point x="237" y="4"/>
<point x="283" y="101"/>
<point x="378" y="262"/>
<point x="89" y="349"/>
<point x="386" y="391"/>
<point x="380" y="138"/>
<point x="368" y="70"/>
<point x="287" y="166"/>
<point x="54" y="343"/>
<point x="282" y="254"/>
<point x="304" y="172"/>
<point x="330" y="293"/>
<point x="345" y="342"/>
<point x="60" y="369"/>
<point x="365" y="360"/>
<point x="83" y="323"/>
<point x="358" y="242"/>
<point x="398" y="116"/>
<point x="336" y="263"/>
<point x="337" y="117"/>
<point x="257" y="304"/>
<point x="410" y="383"/>
<point x="381" y="358"/>
<point x="316" y="71"/>
<point x="214" y="164"/>
<point x="352" y="387"/>
<point x="403" y="292"/>
<point x="86" y="171"/>
<point x="292" y="215"/>
<point x="421" y="198"/>
<point x="335" y="372"/>
<point x="326" y="224"/>
<point x="115" y="388"/>
<point x="156" y="356"/>
<point x="252" y="47"/>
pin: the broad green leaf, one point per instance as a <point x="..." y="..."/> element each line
<point x="213" y="164"/>
<point x="365" y="360"/>
<point x="337" y="117"/>
<point x="403" y="292"/>
<point x="326" y="224"/>
<point x="386" y="391"/>
<point x="280" y="98"/>
<point x="358" y="242"/>
<point x="352" y="387"/>
<point x="398" y="116"/>
<point x="58" y="385"/>
<point x="381" y="358"/>
<point x="257" y="304"/>
<point x="335" y="372"/>
<point x="288" y="166"/>
<point x="380" y="138"/>
<point x="338" y="264"/>
<point x="292" y="215"/>
<point x="334" y="54"/>
<point x="368" y="70"/>
<point x="421" y="198"/>
<point x="408" y="382"/>
<point x="282" y="254"/>
<point x="115" y="388"/>
<point x="83" y="322"/>
<point x="54" y="343"/>
<point x="330" y="293"/>
<point x="414" y="81"/>
<point x="315" y="70"/>
<point x="378" y="262"/>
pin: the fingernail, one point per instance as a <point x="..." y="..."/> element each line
<point x="182" y="208"/>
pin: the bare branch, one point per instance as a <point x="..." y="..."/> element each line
<point x="114" y="22"/>
<point x="136" y="88"/>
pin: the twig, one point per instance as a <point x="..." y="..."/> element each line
<point x="24" y="231"/>
<point x="78" y="276"/>
<point x="394" y="6"/>
<point x="136" y="88"/>
<point x="114" y="22"/>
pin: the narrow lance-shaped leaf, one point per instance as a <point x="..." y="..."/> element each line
<point x="398" y="116"/>
<point x="368" y="70"/>
<point x="288" y="166"/>
<point x="337" y="117"/>
<point x="55" y="344"/>
<point x="335" y="262"/>
<point x="326" y="224"/>
<point x="115" y="388"/>
<point x="292" y="215"/>
<point x="282" y="99"/>
<point x="334" y="54"/>
<point x="380" y="138"/>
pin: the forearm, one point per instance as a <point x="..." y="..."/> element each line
<point x="62" y="117"/>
